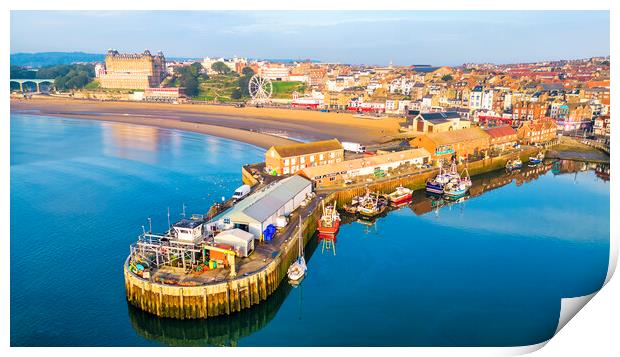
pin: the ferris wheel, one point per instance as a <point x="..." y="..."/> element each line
<point x="260" y="88"/>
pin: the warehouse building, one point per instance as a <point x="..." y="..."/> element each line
<point x="455" y="143"/>
<point x="262" y="208"/>
<point x="338" y="173"/>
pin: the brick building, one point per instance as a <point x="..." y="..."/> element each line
<point x="501" y="137"/>
<point x="526" y="110"/>
<point x="537" y="131"/>
<point x="289" y="159"/>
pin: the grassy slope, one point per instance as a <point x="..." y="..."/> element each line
<point x="220" y="87"/>
<point x="284" y="90"/>
<point x="217" y="87"/>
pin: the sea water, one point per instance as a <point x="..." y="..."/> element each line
<point x="488" y="271"/>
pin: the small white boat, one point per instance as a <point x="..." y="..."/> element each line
<point x="298" y="269"/>
<point x="514" y="164"/>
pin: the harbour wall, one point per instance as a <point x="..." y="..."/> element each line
<point x="236" y="294"/>
<point x="418" y="181"/>
<point x="224" y="298"/>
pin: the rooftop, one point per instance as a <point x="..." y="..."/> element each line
<point x="269" y="200"/>
<point x="455" y="136"/>
<point x="187" y="223"/>
<point x="369" y="161"/>
<point x="500" y="131"/>
<point x="307" y="148"/>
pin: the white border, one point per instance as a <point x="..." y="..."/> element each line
<point x="594" y="331"/>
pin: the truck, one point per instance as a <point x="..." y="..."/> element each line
<point x="241" y="193"/>
<point x="353" y="147"/>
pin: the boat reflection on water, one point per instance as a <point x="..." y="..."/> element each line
<point x="214" y="331"/>
<point x="424" y="203"/>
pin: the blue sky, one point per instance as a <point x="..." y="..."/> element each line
<point x="365" y="37"/>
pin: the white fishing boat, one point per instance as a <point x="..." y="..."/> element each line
<point x="298" y="269"/>
<point x="372" y="204"/>
<point x="455" y="189"/>
<point x="514" y="164"/>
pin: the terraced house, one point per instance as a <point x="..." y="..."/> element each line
<point x="537" y="131"/>
<point x="289" y="159"/>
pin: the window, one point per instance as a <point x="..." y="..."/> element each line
<point x="321" y="157"/>
<point x="311" y="158"/>
<point x="332" y="154"/>
<point x="285" y="171"/>
<point x="293" y="161"/>
<point x="302" y="160"/>
<point x="285" y="162"/>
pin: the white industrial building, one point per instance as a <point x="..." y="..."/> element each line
<point x="263" y="207"/>
<point x="241" y="241"/>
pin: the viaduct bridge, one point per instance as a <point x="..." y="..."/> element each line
<point x="37" y="82"/>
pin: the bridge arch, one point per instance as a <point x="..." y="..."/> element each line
<point x="37" y="82"/>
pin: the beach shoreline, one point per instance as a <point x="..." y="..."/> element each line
<point x="262" y="127"/>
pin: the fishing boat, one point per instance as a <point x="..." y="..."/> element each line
<point x="455" y="189"/>
<point x="297" y="270"/>
<point x="535" y="160"/>
<point x="436" y="185"/>
<point x="514" y="164"/>
<point x="352" y="207"/>
<point x="329" y="221"/>
<point x="465" y="179"/>
<point x="400" y="196"/>
<point x="372" y="204"/>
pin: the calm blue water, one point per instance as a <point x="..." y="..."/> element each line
<point x="489" y="271"/>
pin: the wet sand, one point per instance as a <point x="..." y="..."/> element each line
<point x="262" y="127"/>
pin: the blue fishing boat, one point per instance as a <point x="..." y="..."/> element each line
<point x="436" y="185"/>
<point x="535" y="160"/>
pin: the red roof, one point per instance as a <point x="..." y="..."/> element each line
<point x="500" y="131"/>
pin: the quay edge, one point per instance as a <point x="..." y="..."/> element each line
<point x="242" y="292"/>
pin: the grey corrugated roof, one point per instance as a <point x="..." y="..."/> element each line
<point x="275" y="198"/>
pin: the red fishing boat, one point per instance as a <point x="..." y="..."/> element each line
<point x="401" y="196"/>
<point x="329" y="221"/>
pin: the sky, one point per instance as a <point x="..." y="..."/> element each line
<point x="355" y="37"/>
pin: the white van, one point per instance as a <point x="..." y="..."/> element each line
<point x="353" y="147"/>
<point x="241" y="192"/>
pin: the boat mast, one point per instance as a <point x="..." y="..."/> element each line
<point x="301" y="246"/>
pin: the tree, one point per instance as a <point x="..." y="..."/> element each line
<point x="22" y="73"/>
<point x="236" y="94"/>
<point x="195" y="68"/>
<point x="247" y="71"/>
<point x="190" y="83"/>
<point x="220" y="67"/>
<point x="447" y="78"/>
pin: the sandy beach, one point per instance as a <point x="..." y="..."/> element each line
<point x="262" y="127"/>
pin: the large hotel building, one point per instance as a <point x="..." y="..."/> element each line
<point x="132" y="70"/>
